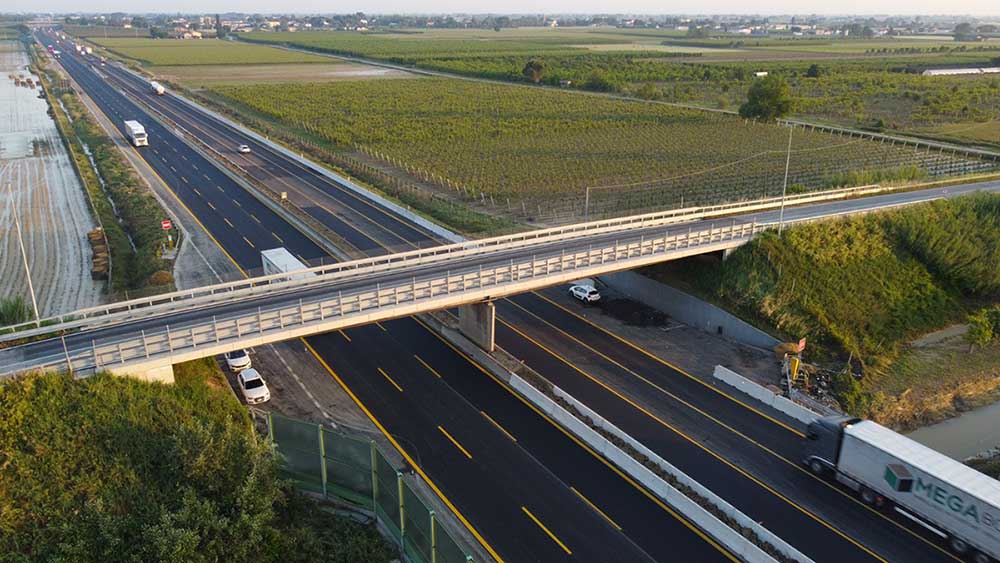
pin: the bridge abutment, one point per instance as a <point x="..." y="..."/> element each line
<point x="161" y="374"/>
<point x="477" y="322"/>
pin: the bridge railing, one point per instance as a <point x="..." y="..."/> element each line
<point x="406" y="296"/>
<point x="158" y="304"/>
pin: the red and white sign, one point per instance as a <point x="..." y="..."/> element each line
<point x="802" y="344"/>
<point x="165" y="224"/>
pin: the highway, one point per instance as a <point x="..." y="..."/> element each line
<point x="817" y="518"/>
<point x="525" y="487"/>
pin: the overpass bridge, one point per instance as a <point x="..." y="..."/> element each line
<point x="142" y="335"/>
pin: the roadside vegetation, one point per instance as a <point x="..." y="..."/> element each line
<point x="128" y="211"/>
<point x="14" y="310"/>
<point x="514" y="148"/>
<point x="861" y="289"/>
<point x="114" y="469"/>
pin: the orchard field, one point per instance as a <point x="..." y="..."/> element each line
<point x="545" y="147"/>
<point x="153" y="52"/>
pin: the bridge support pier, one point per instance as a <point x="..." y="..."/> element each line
<point x="727" y="252"/>
<point x="161" y="374"/>
<point x="478" y="323"/>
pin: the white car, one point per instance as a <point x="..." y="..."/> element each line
<point x="253" y="387"/>
<point x="244" y="149"/>
<point x="585" y="293"/>
<point x="238" y="360"/>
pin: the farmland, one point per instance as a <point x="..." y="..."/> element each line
<point x="867" y="83"/>
<point x="509" y="143"/>
<point x="153" y="52"/>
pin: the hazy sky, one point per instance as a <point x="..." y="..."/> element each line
<point x="973" y="7"/>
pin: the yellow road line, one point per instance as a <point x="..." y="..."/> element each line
<point x="546" y="530"/>
<point x="210" y="205"/>
<point x="277" y="237"/>
<point x="426" y="365"/>
<point x="226" y="219"/>
<point x="695" y="442"/>
<point x="172" y="168"/>
<point x="455" y="442"/>
<point x="248" y="242"/>
<point x="672" y="366"/>
<point x="344" y="334"/>
<point x="642" y="490"/>
<point x="237" y="202"/>
<point x="252" y="216"/>
<point x="378" y="324"/>
<point x="594" y="506"/>
<point x="391" y="380"/>
<point x="197" y="192"/>
<point x="183" y="179"/>
<point x="409" y="459"/>
<point x="497" y="424"/>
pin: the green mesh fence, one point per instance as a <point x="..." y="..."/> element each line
<point x="321" y="460"/>
<point x="417" y="527"/>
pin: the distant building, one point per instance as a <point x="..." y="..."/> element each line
<point x="958" y="71"/>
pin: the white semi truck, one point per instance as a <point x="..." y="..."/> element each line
<point x="280" y="260"/>
<point x="891" y="471"/>
<point x="136" y="133"/>
<point x="157" y="88"/>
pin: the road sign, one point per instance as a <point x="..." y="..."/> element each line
<point x="802" y="344"/>
<point x="165" y="224"/>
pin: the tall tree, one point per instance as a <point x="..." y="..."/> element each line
<point x="768" y="99"/>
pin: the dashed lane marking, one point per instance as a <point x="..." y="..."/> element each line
<point x="546" y="530"/>
<point x="455" y="442"/>
<point x="390" y="380"/>
<point x="497" y="424"/>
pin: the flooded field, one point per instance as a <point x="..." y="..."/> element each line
<point x="37" y="177"/>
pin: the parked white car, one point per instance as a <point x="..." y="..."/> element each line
<point x="244" y="149"/>
<point x="585" y="293"/>
<point x="254" y="389"/>
<point x="238" y="360"/>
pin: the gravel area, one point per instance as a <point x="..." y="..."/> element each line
<point x="51" y="203"/>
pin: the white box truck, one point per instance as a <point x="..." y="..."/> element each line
<point x="136" y="133"/>
<point x="280" y="260"/>
<point x="892" y="471"/>
<point x="157" y="88"/>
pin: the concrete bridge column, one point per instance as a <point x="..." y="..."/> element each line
<point x="478" y="323"/>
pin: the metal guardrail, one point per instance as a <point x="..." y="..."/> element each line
<point x="136" y="308"/>
<point x="253" y="325"/>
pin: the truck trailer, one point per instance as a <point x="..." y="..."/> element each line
<point x="890" y="471"/>
<point x="280" y="260"/>
<point x="157" y="88"/>
<point x="136" y="133"/>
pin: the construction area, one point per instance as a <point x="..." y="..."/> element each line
<point x="39" y="183"/>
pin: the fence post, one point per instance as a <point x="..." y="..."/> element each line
<point x="270" y="428"/>
<point x="374" y="479"/>
<point x="322" y="456"/>
<point x="434" y="538"/>
<point x="402" y="512"/>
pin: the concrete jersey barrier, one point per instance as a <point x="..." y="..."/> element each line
<point x="769" y="398"/>
<point x="699" y="516"/>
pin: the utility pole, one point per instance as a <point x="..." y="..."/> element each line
<point x="24" y="255"/>
<point x="784" y="186"/>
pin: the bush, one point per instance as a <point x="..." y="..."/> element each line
<point x="14" y="310"/>
<point x="113" y="469"/>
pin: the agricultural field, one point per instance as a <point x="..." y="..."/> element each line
<point x="91" y="31"/>
<point x="525" y="145"/>
<point x="164" y="52"/>
<point x="202" y="76"/>
<point x="862" y="83"/>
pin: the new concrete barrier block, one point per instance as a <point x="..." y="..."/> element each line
<point x="733" y="541"/>
<point x="762" y="394"/>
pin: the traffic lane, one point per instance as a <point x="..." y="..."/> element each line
<point x="240" y="223"/>
<point x="364" y="210"/>
<point x="781" y="471"/>
<point x="645" y="520"/>
<point x="486" y="474"/>
<point x="825" y="508"/>
<point x="689" y="455"/>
